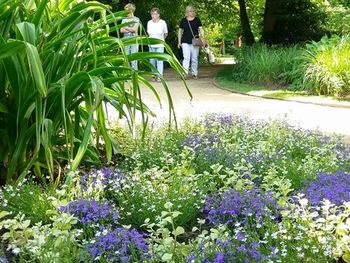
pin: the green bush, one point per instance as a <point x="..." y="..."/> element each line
<point x="58" y="67"/>
<point x="29" y="199"/>
<point x="266" y="65"/>
<point x="326" y="66"/>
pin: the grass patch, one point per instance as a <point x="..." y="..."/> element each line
<point x="224" y="79"/>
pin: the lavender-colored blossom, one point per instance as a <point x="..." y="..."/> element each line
<point x="4" y="260"/>
<point x="195" y="140"/>
<point x="226" y="251"/>
<point x="89" y="211"/>
<point x="220" y="258"/>
<point x="333" y="187"/>
<point x="119" y="245"/>
<point x="247" y="207"/>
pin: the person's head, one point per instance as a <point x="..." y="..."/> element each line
<point x="155" y="14"/>
<point x="130" y="8"/>
<point x="190" y="11"/>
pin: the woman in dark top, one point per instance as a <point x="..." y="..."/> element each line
<point x="190" y="27"/>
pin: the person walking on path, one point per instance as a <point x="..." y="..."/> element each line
<point x="190" y="27"/>
<point x="130" y="31"/>
<point x="157" y="28"/>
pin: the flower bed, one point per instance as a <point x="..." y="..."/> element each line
<point x="226" y="189"/>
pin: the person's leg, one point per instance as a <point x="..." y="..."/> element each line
<point x="152" y="60"/>
<point x="186" y="51"/>
<point x="160" y="64"/>
<point x="134" y="49"/>
<point x="194" y="60"/>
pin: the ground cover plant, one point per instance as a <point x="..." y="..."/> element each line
<point x="226" y="187"/>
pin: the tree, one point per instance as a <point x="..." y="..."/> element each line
<point x="247" y="32"/>
<point x="292" y="21"/>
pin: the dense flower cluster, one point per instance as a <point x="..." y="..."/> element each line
<point x="105" y="177"/>
<point x="247" y="207"/>
<point x="208" y="148"/>
<point x="221" y="120"/>
<point x="119" y="245"/>
<point x="196" y="140"/>
<point x="333" y="187"/>
<point x="226" y="251"/>
<point x="91" y="211"/>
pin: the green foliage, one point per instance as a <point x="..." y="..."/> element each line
<point x="261" y="64"/>
<point x="164" y="235"/>
<point x="163" y="195"/>
<point x="326" y="66"/>
<point x="56" y="242"/>
<point x="27" y="198"/>
<point x="338" y="19"/>
<point x="145" y="194"/>
<point x="58" y="67"/>
<point x="293" y="21"/>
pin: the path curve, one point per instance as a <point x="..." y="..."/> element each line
<point x="207" y="98"/>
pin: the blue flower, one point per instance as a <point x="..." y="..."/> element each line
<point x="119" y="245"/>
<point x="247" y="207"/>
<point x="89" y="211"/>
<point x="333" y="187"/>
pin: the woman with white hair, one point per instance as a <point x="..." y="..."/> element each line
<point x="157" y="28"/>
<point x="190" y="28"/>
<point x="131" y="30"/>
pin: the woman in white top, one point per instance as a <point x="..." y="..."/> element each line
<point x="157" y="28"/>
<point x="130" y="31"/>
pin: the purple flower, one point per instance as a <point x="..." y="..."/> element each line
<point x="119" y="245"/>
<point x="333" y="187"/>
<point x="247" y="207"/>
<point x="220" y="257"/>
<point x="89" y="211"/>
<point x="226" y="251"/>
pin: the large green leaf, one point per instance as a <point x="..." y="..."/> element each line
<point x="36" y="69"/>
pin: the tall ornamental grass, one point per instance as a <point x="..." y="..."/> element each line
<point x="266" y="65"/>
<point x="59" y="66"/>
<point x="326" y="66"/>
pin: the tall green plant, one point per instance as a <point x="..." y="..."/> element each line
<point x="326" y="66"/>
<point x="58" y="67"/>
<point x="266" y="65"/>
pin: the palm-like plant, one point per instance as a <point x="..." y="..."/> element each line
<point x="58" y="67"/>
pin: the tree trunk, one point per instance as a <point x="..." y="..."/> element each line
<point x="247" y="31"/>
<point x="269" y="22"/>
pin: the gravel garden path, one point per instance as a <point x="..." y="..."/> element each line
<point x="208" y="98"/>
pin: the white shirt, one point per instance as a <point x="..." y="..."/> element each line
<point x="157" y="30"/>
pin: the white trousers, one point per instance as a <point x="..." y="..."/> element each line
<point x="157" y="63"/>
<point x="190" y="54"/>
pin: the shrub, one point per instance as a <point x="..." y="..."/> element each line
<point x="261" y="64"/>
<point x="326" y="66"/>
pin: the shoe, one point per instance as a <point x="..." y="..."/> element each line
<point x="194" y="77"/>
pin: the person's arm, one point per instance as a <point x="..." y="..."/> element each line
<point x="202" y="35"/>
<point x="179" y="37"/>
<point x="124" y="29"/>
<point x="134" y="28"/>
<point x="130" y="29"/>
<point x="165" y="30"/>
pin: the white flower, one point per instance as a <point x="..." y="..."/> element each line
<point x="303" y="201"/>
